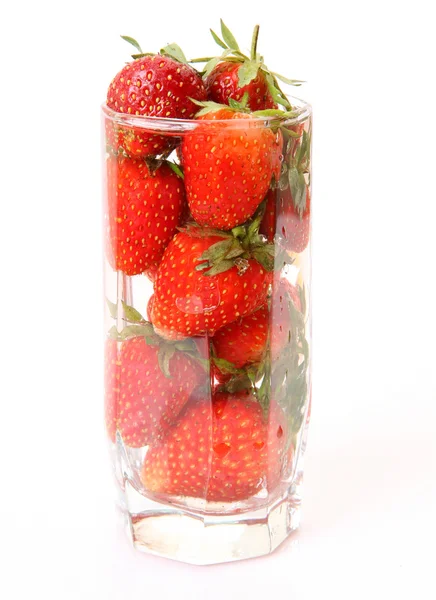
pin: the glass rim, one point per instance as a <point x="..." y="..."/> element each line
<point x="301" y="108"/>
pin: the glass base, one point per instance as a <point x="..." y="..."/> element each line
<point x="200" y="538"/>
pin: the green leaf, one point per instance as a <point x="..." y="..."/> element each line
<point x="207" y="106"/>
<point x="235" y="250"/>
<point x="295" y="82"/>
<point x="276" y="92"/>
<point x="216" y="251"/>
<point x="218" y="40"/>
<point x="113" y="333"/>
<point x="164" y="356"/>
<point x="174" y="51"/>
<point x="220" y="267"/>
<point x="210" y="66"/>
<point x="131" y="314"/>
<point x="226" y="366"/>
<point x="132" y="41"/>
<point x="228" y="36"/>
<point x="264" y="258"/>
<point x="112" y="308"/>
<point x="137" y="330"/>
<point x="297" y="184"/>
<point x="247" y="72"/>
<point x="176" y="168"/>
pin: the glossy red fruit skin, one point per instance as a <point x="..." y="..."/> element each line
<point x="228" y="167"/>
<point x="153" y="86"/>
<point x="143" y="211"/>
<point x="292" y="229"/>
<point x="149" y="402"/>
<point x="222" y="84"/>
<point x="243" y="342"/>
<point x="189" y="303"/>
<point x="222" y="452"/>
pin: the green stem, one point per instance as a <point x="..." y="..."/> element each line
<point x="254" y="42"/>
<point x="200" y="60"/>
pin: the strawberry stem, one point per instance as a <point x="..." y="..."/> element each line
<point x="254" y="42"/>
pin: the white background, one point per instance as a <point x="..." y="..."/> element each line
<point x="370" y="489"/>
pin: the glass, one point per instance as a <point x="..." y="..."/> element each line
<point x="207" y="322"/>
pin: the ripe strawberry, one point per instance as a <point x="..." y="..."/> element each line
<point x="223" y="84"/>
<point x="150" y="307"/>
<point x="141" y="401"/>
<point x="228" y="167"/>
<point x="224" y="451"/>
<point x="144" y="210"/>
<point x="243" y="342"/>
<point x="233" y="76"/>
<point x="287" y="213"/>
<point x="191" y="301"/>
<point x="154" y="86"/>
<point x="293" y="228"/>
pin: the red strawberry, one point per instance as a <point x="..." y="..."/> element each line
<point x="151" y="272"/>
<point x="230" y="80"/>
<point x="190" y="301"/>
<point x="243" y="342"/>
<point x="150" y="307"/>
<point x="148" y="401"/>
<point x="224" y="451"/>
<point x="111" y="386"/>
<point x="153" y="86"/>
<point x="228" y="167"/>
<point x="293" y="228"/>
<point x="144" y="210"/>
<point x="223" y="83"/>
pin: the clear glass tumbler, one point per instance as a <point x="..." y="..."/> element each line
<point x="207" y="348"/>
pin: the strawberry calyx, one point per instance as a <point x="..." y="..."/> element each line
<point x="209" y="106"/>
<point x="172" y="50"/>
<point x="238" y="246"/>
<point x="140" y="327"/>
<point x="296" y="170"/>
<point x="250" y="65"/>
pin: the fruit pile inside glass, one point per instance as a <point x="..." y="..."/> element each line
<point x="207" y="230"/>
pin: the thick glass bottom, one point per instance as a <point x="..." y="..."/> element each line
<point x="204" y="538"/>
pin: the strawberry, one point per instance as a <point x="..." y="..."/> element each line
<point x="159" y="85"/>
<point x="222" y="452"/>
<point x="205" y="281"/>
<point x="243" y="342"/>
<point x="223" y="84"/>
<point x="292" y="227"/>
<point x="143" y="212"/>
<point x="150" y="306"/>
<point x="146" y="387"/>
<point x="233" y="75"/>
<point x="287" y="213"/>
<point x="228" y="167"/>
